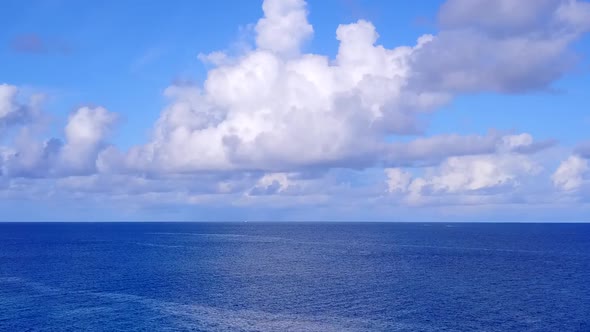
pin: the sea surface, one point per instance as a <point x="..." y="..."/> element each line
<point x="294" y="277"/>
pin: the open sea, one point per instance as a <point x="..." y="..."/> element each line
<point x="294" y="277"/>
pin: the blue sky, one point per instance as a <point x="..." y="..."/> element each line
<point x="293" y="110"/>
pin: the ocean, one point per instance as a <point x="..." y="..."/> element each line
<point x="294" y="277"/>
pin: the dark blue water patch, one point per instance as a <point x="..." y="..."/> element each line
<point x="294" y="277"/>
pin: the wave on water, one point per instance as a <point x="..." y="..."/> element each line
<point x="178" y="316"/>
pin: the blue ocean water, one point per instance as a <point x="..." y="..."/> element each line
<point x="294" y="277"/>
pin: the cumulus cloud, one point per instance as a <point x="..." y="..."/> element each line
<point x="462" y="176"/>
<point x="30" y="157"/>
<point x="85" y="135"/>
<point x="275" y="109"/>
<point x="473" y="173"/>
<point x="272" y="183"/>
<point x="571" y="173"/>
<point x="284" y="26"/>
<point x="398" y="180"/>
<point x="13" y="110"/>
<point x="270" y="112"/>
<point x="277" y="121"/>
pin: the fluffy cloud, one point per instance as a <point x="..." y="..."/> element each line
<point x="272" y="183"/>
<point x="274" y="109"/>
<point x="270" y="112"/>
<point x="19" y="118"/>
<point x="284" y="26"/>
<point x="570" y="175"/>
<point x="85" y="134"/>
<point x="474" y="173"/>
<point x="13" y="111"/>
<point x="463" y="177"/>
<point x="276" y="121"/>
<point x="398" y="180"/>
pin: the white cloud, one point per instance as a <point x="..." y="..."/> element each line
<point x="272" y="183"/>
<point x="513" y="142"/>
<point x="7" y="100"/>
<point x="463" y="176"/>
<point x="284" y="26"/>
<point x="472" y="173"/>
<point x="398" y="180"/>
<point x="85" y="132"/>
<point x="275" y="109"/>
<point x="263" y="120"/>
<point x="267" y="111"/>
<point x="13" y="111"/>
<point x="570" y="173"/>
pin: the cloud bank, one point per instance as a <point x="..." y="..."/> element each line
<point x="280" y="123"/>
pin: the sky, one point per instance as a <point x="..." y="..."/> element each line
<point x="293" y="110"/>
